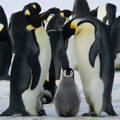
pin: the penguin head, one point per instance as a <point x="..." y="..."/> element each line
<point x="68" y="72"/>
<point x="107" y="13"/>
<point x="47" y="16"/>
<point x="69" y="28"/>
<point x="31" y="12"/>
<point x="53" y="10"/>
<point x="37" y="7"/>
<point x="66" y="13"/>
<point x="31" y="9"/>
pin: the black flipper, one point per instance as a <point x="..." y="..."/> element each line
<point x="33" y="61"/>
<point x="94" y="51"/>
<point x="35" y="67"/>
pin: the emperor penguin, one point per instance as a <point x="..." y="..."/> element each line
<point x="5" y="47"/>
<point x="115" y="41"/>
<point x="95" y="63"/>
<point x="42" y="40"/>
<point x="67" y="96"/>
<point x="30" y="66"/>
<point x="107" y="14"/>
<point x="59" y="56"/>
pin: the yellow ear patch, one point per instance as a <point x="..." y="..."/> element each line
<point x="30" y="27"/>
<point x="62" y="14"/>
<point x="34" y="6"/>
<point x="1" y="27"/>
<point x="27" y="12"/>
<point x="74" y="23"/>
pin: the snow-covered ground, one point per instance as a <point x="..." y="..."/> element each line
<point x="50" y="110"/>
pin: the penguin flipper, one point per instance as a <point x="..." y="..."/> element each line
<point x="35" y="67"/>
<point x="32" y="60"/>
<point x="94" y="51"/>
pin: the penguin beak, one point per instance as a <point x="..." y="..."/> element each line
<point x="30" y="27"/>
<point x="34" y="6"/>
<point x="62" y="14"/>
<point x="27" y="13"/>
<point x="1" y="27"/>
<point x="74" y="23"/>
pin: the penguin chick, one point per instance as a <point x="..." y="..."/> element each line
<point x="67" y="97"/>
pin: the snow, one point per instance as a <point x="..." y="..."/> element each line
<point x="50" y="109"/>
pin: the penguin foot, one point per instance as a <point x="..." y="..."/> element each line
<point x="109" y="110"/>
<point x="10" y="112"/>
<point x="42" y="113"/>
<point x="91" y="114"/>
<point x="85" y="114"/>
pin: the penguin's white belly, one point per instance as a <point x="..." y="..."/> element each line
<point x="45" y="53"/>
<point x="71" y="53"/>
<point x="92" y="83"/>
<point x="117" y="61"/>
<point x="30" y="97"/>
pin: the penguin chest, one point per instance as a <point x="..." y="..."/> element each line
<point x="83" y="42"/>
<point x="45" y="52"/>
<point x="44" y="45"/>
<point x="92" y="84"/>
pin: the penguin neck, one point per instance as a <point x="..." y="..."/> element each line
<point x="35" y="21"/>
<point x="81" y="8"/>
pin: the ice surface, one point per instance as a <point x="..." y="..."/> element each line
<point x="50" y="109"/>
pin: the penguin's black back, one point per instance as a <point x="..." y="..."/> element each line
<point x="17" y="26"/>
<point x="5" y="51"/>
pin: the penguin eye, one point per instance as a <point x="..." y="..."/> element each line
<point x="65" y="73"/>
<point x="34" y="6"/>
<point x="1" y="27"/>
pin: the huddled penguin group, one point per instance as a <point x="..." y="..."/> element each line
<point x="34" y="54"/>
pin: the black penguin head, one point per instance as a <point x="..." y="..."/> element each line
<point x="107" y="13"/>
<point x="31" y="9"/>
<point x="68" y="72"/>
<point x="69" y="28"/>
<point x="111" y="13"/>
<point x="46" y="16"/>
<point x="54" y="11"/>
<point x="66" y="13"/>
<point x="37" y="7"/>
<point x="31" y="12"/>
